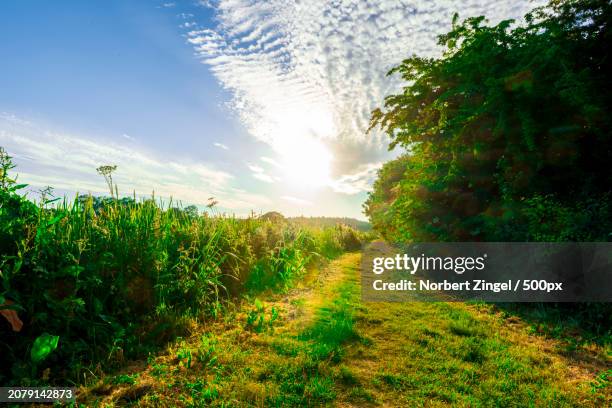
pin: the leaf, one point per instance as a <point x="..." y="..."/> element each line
<point x="43" y="346"/>
<point x="73" y="270"/>
<point x="17" y="187"/>
<point x="8" y="311"/>
<point x="55" y="219"/>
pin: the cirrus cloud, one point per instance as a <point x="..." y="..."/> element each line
<point x="316" y="69"/>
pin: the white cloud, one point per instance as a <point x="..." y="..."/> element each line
<point x="68" y="162"/>
<point x="221" y="146"/>
<point x="271" y="161"/>
<point x="260" y="174"/>
<point x="316" y="69"/>
<point x="264" y="177"/>
<point x="297" y="201"/>
<point x="357" y="182"/>
<point x="255" y="168"/>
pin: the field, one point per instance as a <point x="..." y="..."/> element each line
<point x="99" y="283"/>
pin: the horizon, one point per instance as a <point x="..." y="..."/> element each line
<point x="262" y="106"/>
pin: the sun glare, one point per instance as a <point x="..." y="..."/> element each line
<point x="307" y="163"/>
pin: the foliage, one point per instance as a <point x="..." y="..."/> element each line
<point x="256" y="317"/>
<point x="43" y="346"/>
<point x="359" y="225"/>
<point x="101" y="280"/>
<point x="508" y="132"/>
<point x="508" y="138"/>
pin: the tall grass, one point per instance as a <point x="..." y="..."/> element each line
<point x="112" y="280"/>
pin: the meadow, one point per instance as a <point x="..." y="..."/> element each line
<point x="92" y="283"/>
<point x="505" y="137"/>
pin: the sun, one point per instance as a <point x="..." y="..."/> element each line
<point x="307" y="163"/>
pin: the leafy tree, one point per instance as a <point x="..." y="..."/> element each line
<point x="508" y="121"/>
<point x="273" y="216"/>
<point x="192" y="211"/>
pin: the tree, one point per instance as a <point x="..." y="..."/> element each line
<point x="510" y="118"/>
<point x="191" y="211"/>
<point x="273" y="216"/>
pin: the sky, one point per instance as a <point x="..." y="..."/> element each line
<point x="261" y="105"/>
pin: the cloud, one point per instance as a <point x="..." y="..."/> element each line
<point x="260" y="174"/>
<point x="297" y="201"/>
<point x="221" y="146"/>
<point x="271" y="161"/>
<point x="357" y="182"/>
<point x="264" y="177"/>
<point x="68" y="162"/>
<point x="255" y="168"/>
<point x="316" y="69"/>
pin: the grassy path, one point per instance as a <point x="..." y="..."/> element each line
<point x="319" y="345"/>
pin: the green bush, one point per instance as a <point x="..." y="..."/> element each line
<point x="507" y="134"/>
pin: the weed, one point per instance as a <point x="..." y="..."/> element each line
<point x="129" y="379"/>
<point x="256" y="318"/>
<point x="184" y="357"/>
<point x="207" y="352"/>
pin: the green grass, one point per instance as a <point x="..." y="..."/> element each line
<point x="334" y="325"/>
<point x="328" y="348"/>
<point x="460" y="355"/>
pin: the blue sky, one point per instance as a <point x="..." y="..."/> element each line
<point x="262" y="105"/>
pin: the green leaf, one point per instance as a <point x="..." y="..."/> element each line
<point x="55" y="219"/>
<point x="73" y="270"/>
<point x="17" y="187"/>
<point x="43" y="346"/>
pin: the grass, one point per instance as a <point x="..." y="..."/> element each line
<point x="292" y="361"/>
<point x="328" y="348"/>
<point x="466" y="355"/>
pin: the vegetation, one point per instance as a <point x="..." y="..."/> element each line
<point x="318" y="345"/>
<point x="331" y="221"/>
<point x="508" y="137"/>
<point x="99" y="281"/>
<point x="508" y="133"/>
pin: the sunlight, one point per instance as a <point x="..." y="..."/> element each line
<point x="307" y="163"/>
<point x="297" y="134"/>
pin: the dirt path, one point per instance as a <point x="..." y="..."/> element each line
<point x="319" y="345"/>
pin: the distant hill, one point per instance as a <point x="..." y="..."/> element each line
<point x="330" y="221"/>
